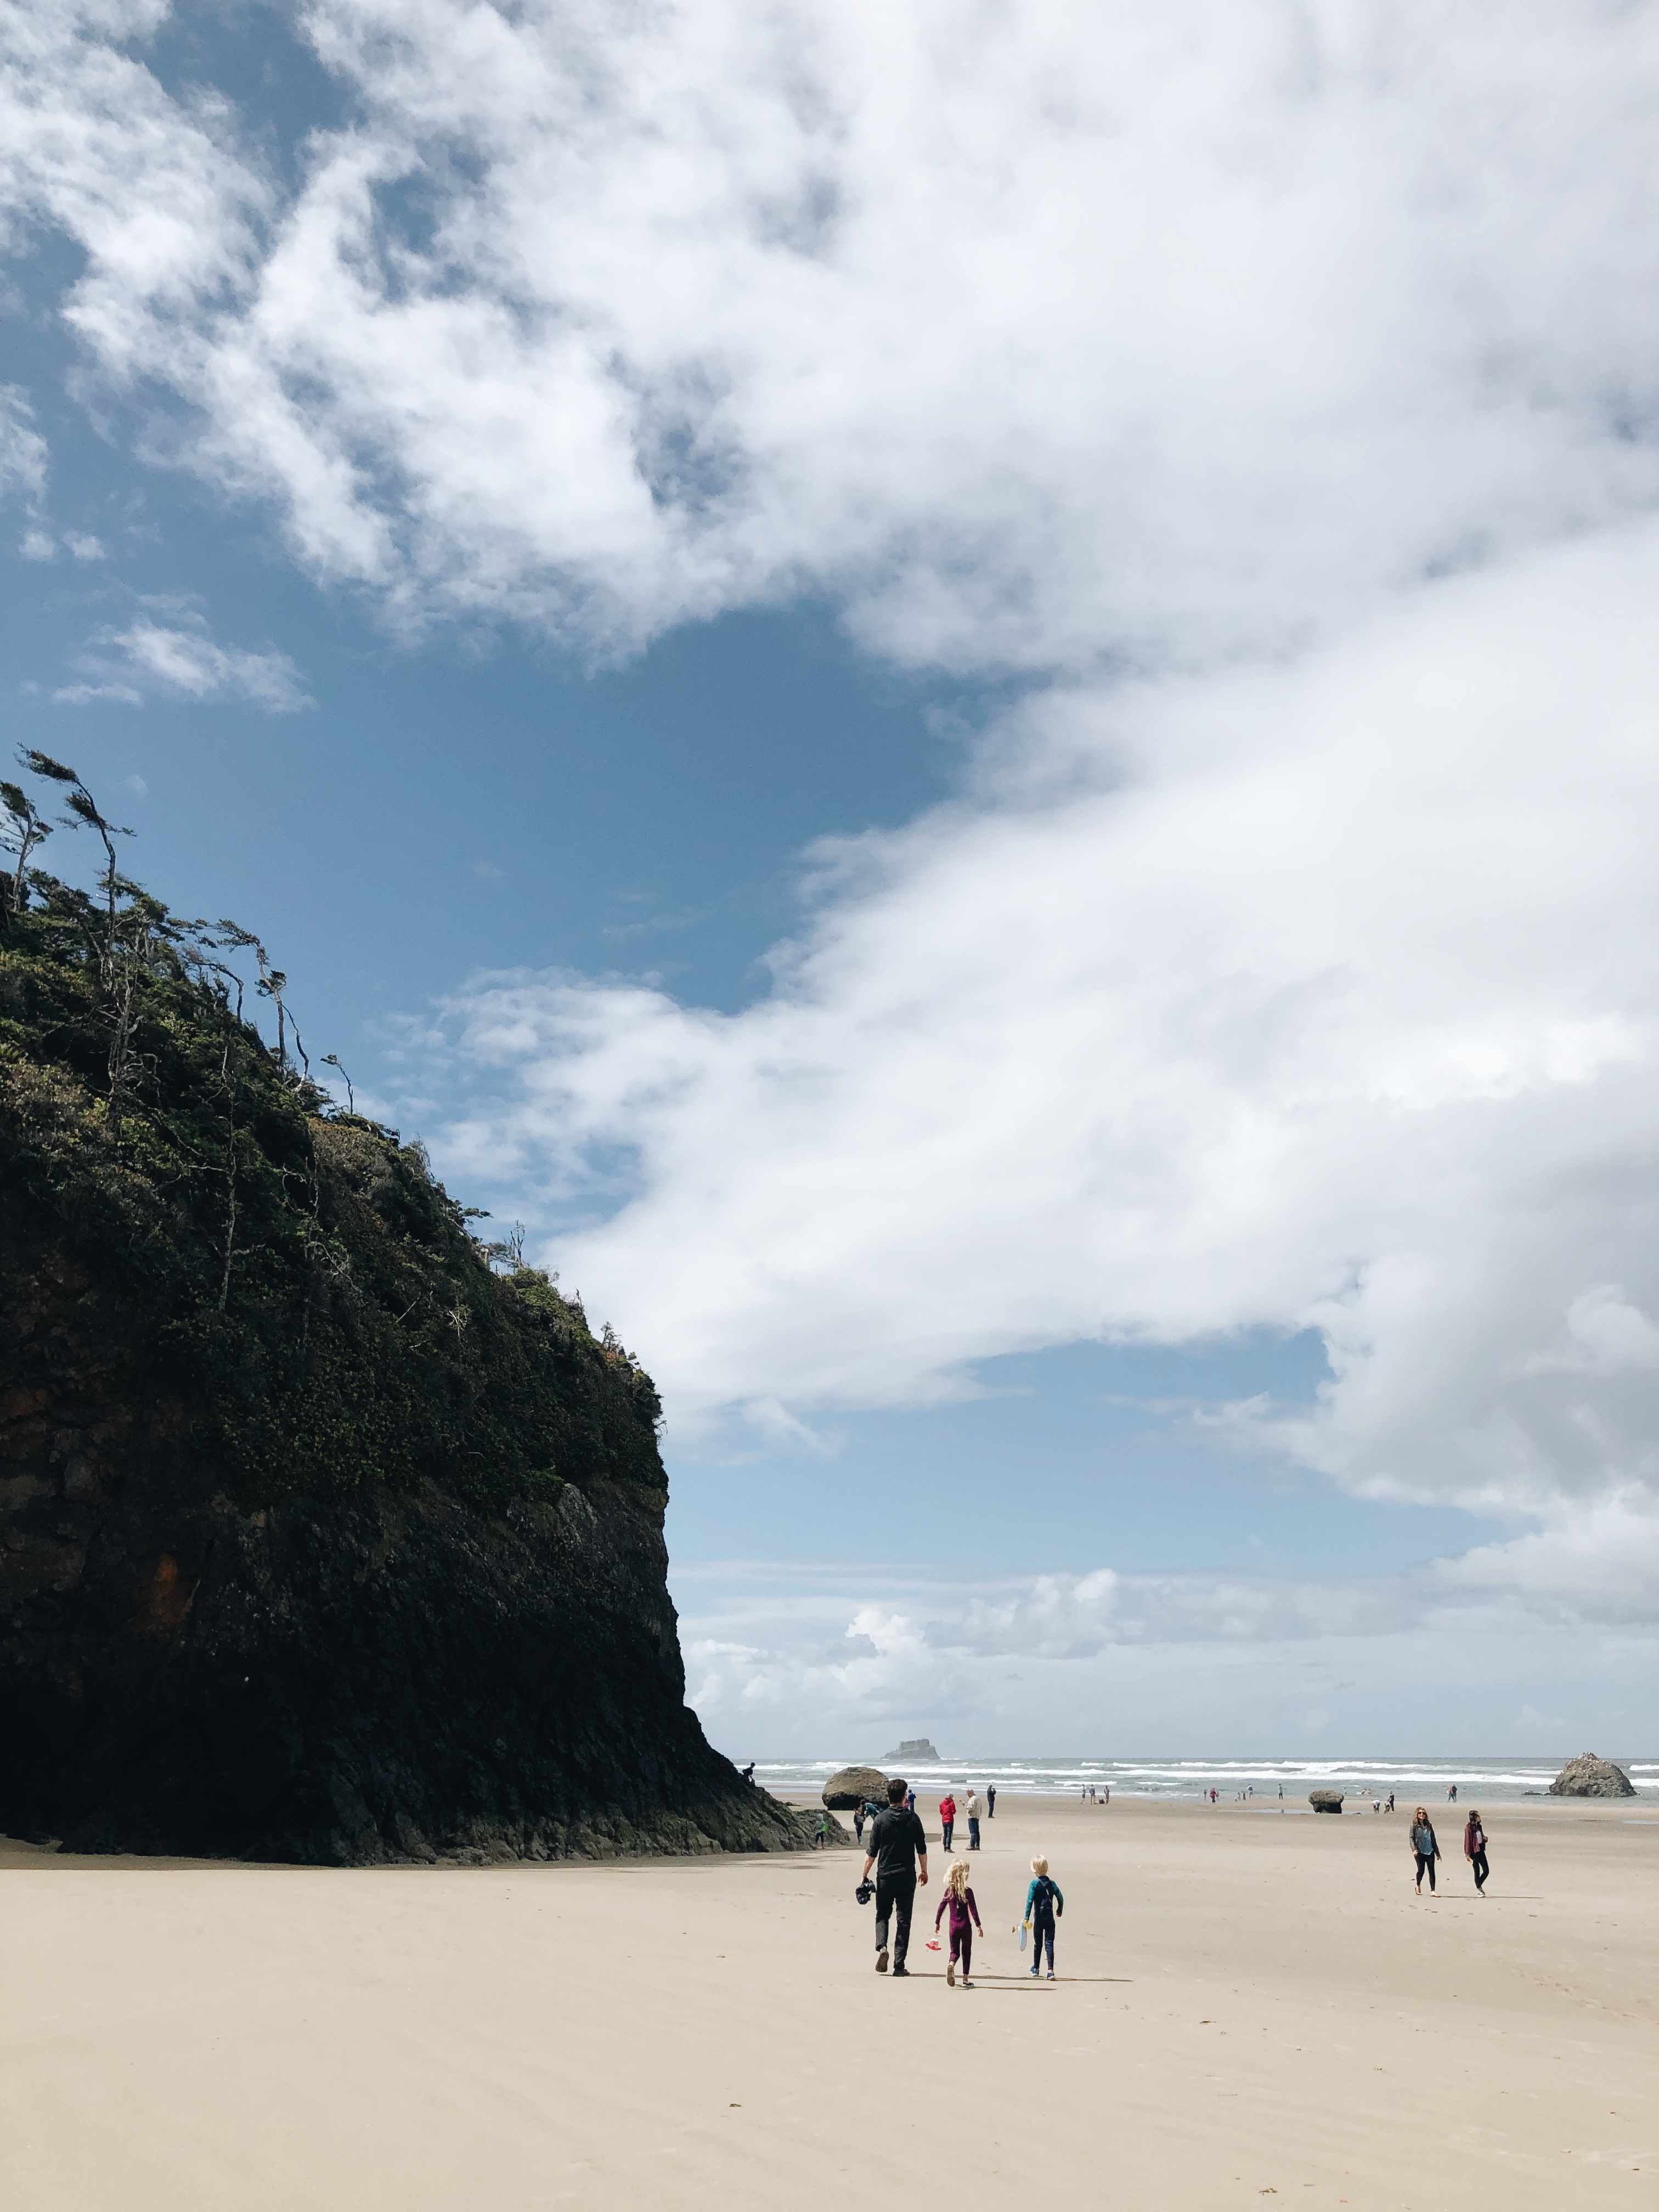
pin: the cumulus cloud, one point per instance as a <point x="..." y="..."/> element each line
<point x="1040" y="337"/>
<point x="792" y="1656"/>
<point x="178" y="659"/>
<point x="1317" y="1000"/>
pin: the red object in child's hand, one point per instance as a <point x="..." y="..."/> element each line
<point x="932" y="1946"/>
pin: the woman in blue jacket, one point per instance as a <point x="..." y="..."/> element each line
<point x="1425" y="1848"/>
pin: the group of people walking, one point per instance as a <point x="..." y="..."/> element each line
<point x="896" y="1853"/>
<point x="1426" y="1849"/>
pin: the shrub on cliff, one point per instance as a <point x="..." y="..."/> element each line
<point x="295" y="1273"/>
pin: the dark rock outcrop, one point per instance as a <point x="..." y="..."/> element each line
<point x="1586" y="1776"/>
<point x="341" y="1679"/>
<point x="1325" y="1800"/>
<point x="846" y="1791"/>
<point x="327" y="1532"/>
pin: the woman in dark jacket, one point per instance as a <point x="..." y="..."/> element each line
<point x="1475" y="1851"/>
<point x="1424" y="1846"/>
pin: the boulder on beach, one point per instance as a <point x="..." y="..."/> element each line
<point x="1586" y="1776"/>
<point x="846" y="1791"/>
<point x="1325" y="1800"/>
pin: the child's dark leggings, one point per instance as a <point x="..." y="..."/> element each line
<point x="962" y="1946"/>
<point x="1426" y="1865"/>
<point x="1042" y="1931"/>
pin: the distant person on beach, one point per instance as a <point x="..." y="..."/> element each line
<point x="898" y="1849"/>
<point x="1424" y="1846"/>
<point x="748" y="1774"/>
<point x="947" y="1817"/>
<point x="975" y="1812"/>
<point x="1475" y="1851"/>
<point x="859" y="1811"/>
<point x="958" y="1901"/>
<point x="1388" y="1807"/>
<point x="991" y="1803"/>
<point x="1043" y="1904"/>
<point x="1451" y="1795"/>
<point x="911" y="1801"/>
<point x="822" y="1836"/>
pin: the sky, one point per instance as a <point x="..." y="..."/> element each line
<point x="966" y="696"/>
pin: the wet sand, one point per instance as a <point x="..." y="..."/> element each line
<point x="1249" y="2006"/>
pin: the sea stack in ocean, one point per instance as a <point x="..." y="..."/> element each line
<point x="327" y="1532"/>
<point x="1586" y="1776"/>
<point x="914" y="1749"/>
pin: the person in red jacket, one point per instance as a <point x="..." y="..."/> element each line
<point x="958" y="1901"/>
<point x="947" y="1813"/>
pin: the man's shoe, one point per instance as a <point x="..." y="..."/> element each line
<point x="901" y="1973"/>
<point x="1051" y="1974"/>
<point x="881" y="1960"/>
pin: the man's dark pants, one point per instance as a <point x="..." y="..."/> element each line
<point x="894" y="1894"/>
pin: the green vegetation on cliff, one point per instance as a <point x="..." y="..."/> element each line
<point x="311" y="1295"/>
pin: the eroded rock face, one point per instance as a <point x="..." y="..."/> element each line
<point x="1325" y="1800"/>
<point x="339" y="1679"/>
<point x="846" y="1791"/>
<point x="1586" y="1776"/>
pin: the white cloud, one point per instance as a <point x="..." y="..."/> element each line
<point x="1315" y="998"/>
<point x="83" y="546"/>
<point x="178" y="659"/>
<point x="22" y="451"/>
<point x="781" y="1658"/>
<point x="1037" y="335"/>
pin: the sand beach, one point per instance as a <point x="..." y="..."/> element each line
<point x="1250" y="2006"/>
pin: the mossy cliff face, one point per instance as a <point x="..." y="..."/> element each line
<point x="320" y="1539"/>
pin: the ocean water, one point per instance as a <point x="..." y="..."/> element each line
<point x="1425" y="1781"/>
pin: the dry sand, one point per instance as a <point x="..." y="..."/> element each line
<point x="1249" y="2006"/>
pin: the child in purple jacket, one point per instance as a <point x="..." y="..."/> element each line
<point x="958" y="1901"/>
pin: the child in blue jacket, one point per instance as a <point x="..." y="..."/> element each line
<point x="1043" y="1904"/>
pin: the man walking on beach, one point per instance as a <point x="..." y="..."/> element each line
<point x="991" y="1803"/>
<point x="947" y="1817"/>
<point x="898" y="1849"/>
<point x="975" y="1809"/>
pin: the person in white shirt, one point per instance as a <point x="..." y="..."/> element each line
<point x="975" y="1813"/>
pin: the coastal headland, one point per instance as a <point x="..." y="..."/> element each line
<point x="1250" y="2005"/>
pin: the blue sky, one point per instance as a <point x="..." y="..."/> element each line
<point x="1026" y="860"/>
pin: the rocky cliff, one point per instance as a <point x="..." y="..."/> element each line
<point x="327" y="1532"/>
